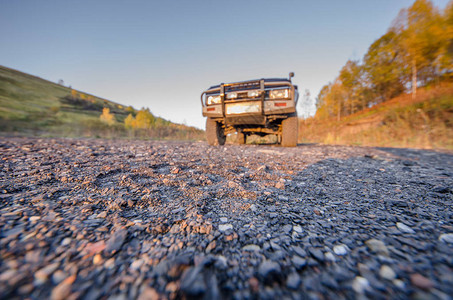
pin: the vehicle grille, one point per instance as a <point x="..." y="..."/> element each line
<point x="241" y="95"/>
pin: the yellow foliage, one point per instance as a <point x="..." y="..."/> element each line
<point x="415" y="51"/>
<point x="143" y="120"/>
<point x="107" y="117"/>
<point x="130" y="122"/>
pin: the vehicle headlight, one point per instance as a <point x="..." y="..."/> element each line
<point x="278" y="94"/>
<point x="253" y="94"/>
<point x="213" y="100"/>
<point x="233" y="95"/>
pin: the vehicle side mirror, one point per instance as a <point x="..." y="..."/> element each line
<point x="291" y="75"/>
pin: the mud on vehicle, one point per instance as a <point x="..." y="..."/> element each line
<point x="264" y="106"/>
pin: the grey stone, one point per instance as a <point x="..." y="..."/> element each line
<point x="404" y="228"/>
<point x="221" y="262"/>
<point x="340" y="249"/>
<point x="293" y="281"/>
<point x="299" y="251"/>
<point x="192" y="282"/>
<point x="270" y="271"/>
<point x="360" y="285"/>
<point x="225" y="227"/>
<point x="329" y="257"/>
<point x="275" y="246"/>
<point x="299" y="262"/>
<point x="446" y="238"/>
<point x="377" y="246"/>
<point x="297" y="228"/>
<point x="116" y="240"/>
<point x="287" y="228"/>
<point x="329" y="281"/>
<point x="273" y="215"/>
<point x="387" y="273"/>
<point x="317" y="253"/>
<point x="251" y="247"/>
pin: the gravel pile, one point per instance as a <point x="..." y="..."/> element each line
<point x="163" y="220"/>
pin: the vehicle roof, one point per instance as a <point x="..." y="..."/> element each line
<point x="265" y="80"/>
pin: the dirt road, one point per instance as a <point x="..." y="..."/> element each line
<point x="139" y="219"/>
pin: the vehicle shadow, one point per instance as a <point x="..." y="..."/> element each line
<point x="424" y="155"/>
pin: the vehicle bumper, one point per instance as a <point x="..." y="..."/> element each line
<point x="249" y="112"/>
<point x="213" y="111"/>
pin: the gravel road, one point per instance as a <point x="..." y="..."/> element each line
<point x="89" y="219"/>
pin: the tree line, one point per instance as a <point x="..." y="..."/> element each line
<point x="142" y="124"/>
<point x="415" y="51"/>
<point x="142" y="119"/>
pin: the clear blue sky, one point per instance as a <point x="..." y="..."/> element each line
<point x="163" y="54"/>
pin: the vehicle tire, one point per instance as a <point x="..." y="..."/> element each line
<point x="290" y="128"/>
<point x="214" y="133"/>
<point x="241" y="137"/>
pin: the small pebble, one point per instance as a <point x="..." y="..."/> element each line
<point x="387" y="273"/>
<point x="404" y="228"/>
<point x="421" y="281"/>
<point x="360" y="285"/>
<point x="446" y="238"/>
<point x="340" y="249"/>
<point x="377" y="246"/>
<point x="225" y="227"/>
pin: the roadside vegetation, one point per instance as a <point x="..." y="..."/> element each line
<point x="31" y="106"/>
<point x="400" y="94"/>
<point x="425" y="122"/>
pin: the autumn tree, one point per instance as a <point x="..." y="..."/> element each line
<point x="322" y="106"/>
<point x="418" y="48"/>
<point x="337" y="97"/>
<point x="351" y="77"/>
<point x="107" y="117"/>
<point x="331" y="100"/>
<point x="421" y="34"/>
<point x="383" y="68"/>
<point x="445" y="59"/>
<point x="129" y="122"/>
<point x="144" y="119"/>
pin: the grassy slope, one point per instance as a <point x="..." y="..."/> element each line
<point x="425" y="122"/>
<point x="30" y="105"/>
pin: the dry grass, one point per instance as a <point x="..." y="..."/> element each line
<point x="425" y="122"/>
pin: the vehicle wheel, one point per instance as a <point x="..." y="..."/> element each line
<point x="290" y="128"/>
<point x="214" y="132"/>
<point x="241" y="137"/>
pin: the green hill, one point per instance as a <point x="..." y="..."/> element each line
<point x="425" y="122"/>
<point x="30" y="105"/>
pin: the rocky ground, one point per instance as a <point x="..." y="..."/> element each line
<point x="162" y="220"/>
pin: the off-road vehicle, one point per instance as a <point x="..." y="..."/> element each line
<point x="263" y="106"/>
